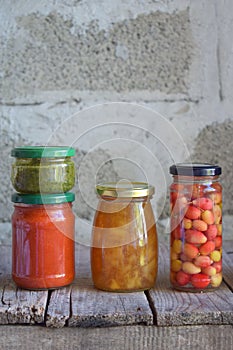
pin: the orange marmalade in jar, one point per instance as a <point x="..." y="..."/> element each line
<point x="124" y="253"/>
<point x="196" y="227"/>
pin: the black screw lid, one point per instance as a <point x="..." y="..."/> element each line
<point x="195" y="169"/>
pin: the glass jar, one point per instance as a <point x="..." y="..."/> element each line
<point x="43" y="240"/>
<point x="43" y="169"/>
<point x="196" y="227"/>
<point x="124" y="249"/>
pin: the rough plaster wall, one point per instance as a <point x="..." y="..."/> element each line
<point x="149" y="52"/>
<point x="89" y="176"/>
<point x="214" y="144"/>
<point x="60" y="57"/>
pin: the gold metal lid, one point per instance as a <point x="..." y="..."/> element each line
<point x="125" y="189"/>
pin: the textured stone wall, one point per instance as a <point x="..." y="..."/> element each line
<point x="170" y="63"/>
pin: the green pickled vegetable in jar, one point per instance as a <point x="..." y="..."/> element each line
<point x="43" y="169"/>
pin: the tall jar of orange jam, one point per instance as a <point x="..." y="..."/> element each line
<point x="124" y="253"/>
<point x="196" y="227"/>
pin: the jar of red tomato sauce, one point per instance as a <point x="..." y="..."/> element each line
<point x="43" y="240"/>
<point x="124" y="253"/>
<point x="196" y="227"/>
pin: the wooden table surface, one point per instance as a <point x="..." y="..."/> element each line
<point x="81" y="305"/>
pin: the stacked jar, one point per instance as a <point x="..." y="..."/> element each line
<point x="196" y="227"/>
<point x="43" y="220"/>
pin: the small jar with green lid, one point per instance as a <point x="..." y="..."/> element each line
<point x="43" y="169"/>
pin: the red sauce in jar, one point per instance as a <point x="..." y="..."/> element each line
<point x="43" y="245"/>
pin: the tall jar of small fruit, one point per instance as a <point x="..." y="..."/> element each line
<point x="124" y="253"/>
<point x="196" y="227"/>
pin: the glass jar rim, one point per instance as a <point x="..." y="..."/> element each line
<point x="195" y="169"/>
<point x="126" y="189"/>
<point x="39" y="198"/>
<point x="42" y="152"/>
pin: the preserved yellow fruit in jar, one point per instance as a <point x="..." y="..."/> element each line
<point x="124" y="253"/>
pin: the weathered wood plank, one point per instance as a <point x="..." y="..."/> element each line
<point x="181" y="308"/>
<point x="207" y="337"/>
<point x="18" y="305"/>
<point x="90" y="307"/>
<point x="58" y="310"/>
<point x="3" y="307"/>
<point x="24" y="306"/>
<point x="94" y="308"/>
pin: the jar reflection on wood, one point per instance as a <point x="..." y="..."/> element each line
<point x="124" y="249"/>
<point x="43" y="240"/>
<point x="196" y="227"/>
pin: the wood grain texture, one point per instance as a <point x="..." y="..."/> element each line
<point x="95" y="308"/>
<point x="174" y="308"/>
<point x="18" y="305"/>
<point x="3" y="306"/>
<point x="207" y="337"/>
<point x="58" y="310"/>
<point x="23" y="306"/>
<point x="91" y="307"/>
<point x="81" y="305"/>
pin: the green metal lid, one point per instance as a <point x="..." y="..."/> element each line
<point x="43" y="198"/>
<point x="42" y="152"/>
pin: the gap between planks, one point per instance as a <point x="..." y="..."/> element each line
<point x="80" y="305"/>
